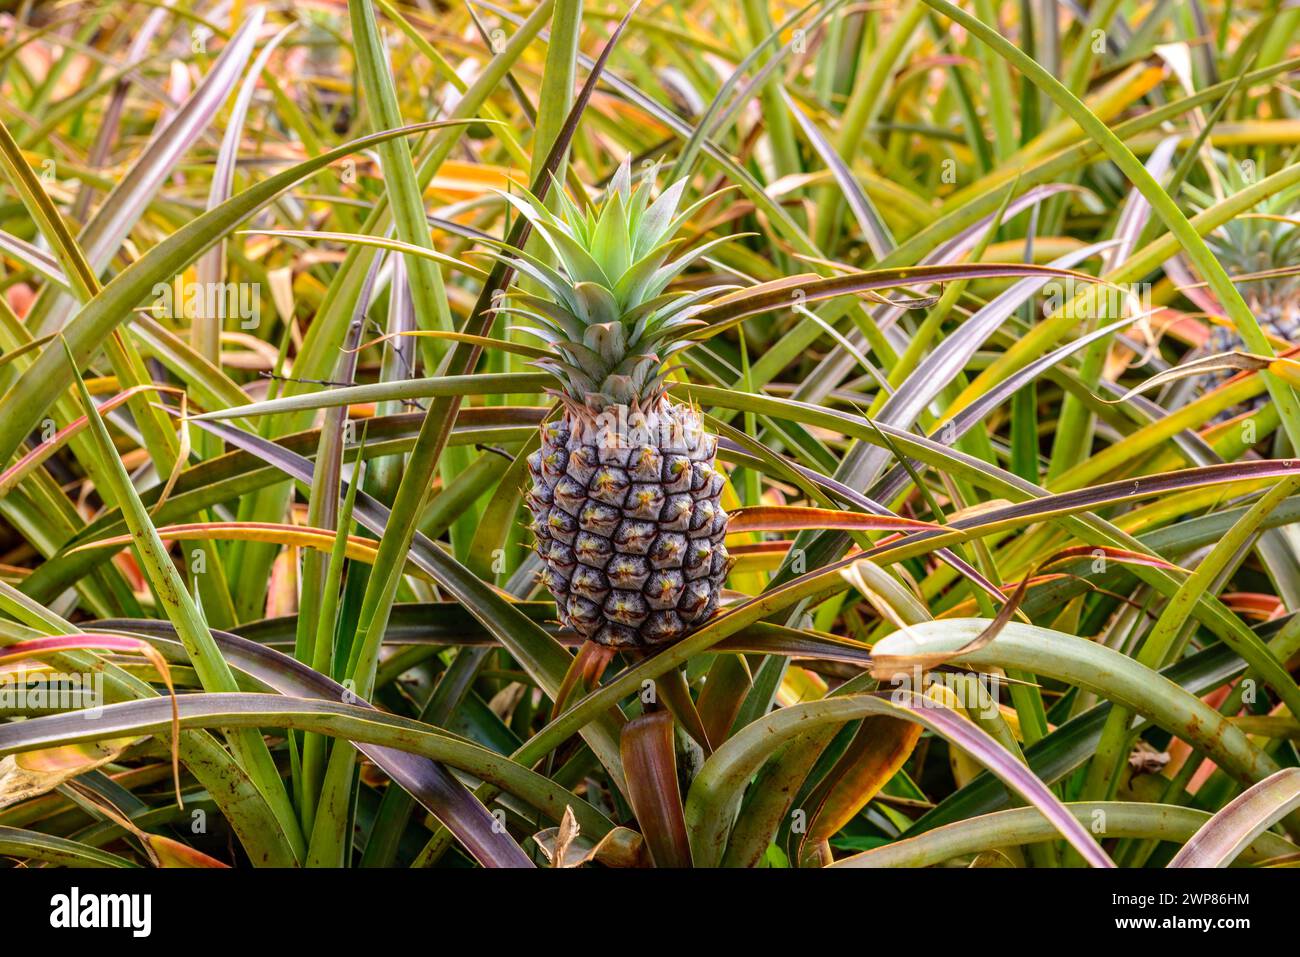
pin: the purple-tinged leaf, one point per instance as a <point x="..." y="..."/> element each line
<point x="1231" y="830"/>
<point x="426" y="781"/>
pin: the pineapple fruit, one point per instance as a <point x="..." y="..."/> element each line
<point x="1246" y="246"/>
<point x="1263" y="241"/>
<point x="625" y="493"/>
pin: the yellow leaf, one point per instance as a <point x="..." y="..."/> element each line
<point x="33" y="773"/>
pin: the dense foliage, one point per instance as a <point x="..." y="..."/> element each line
<point x="986" y="311"/>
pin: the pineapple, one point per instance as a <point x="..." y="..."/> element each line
<point x="1248" y="245"/>
<point x="625" y="492"/>
<point x="1264" y="241"/>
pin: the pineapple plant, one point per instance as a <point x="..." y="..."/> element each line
<point x="625" y="494"/>
<point x="1254" y="245"/>
<point x="1265" y="241"/>
<point x="265" y="557"/>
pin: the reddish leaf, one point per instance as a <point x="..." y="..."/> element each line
<point x="650" y="763"/>
<point x="794" y="518"/>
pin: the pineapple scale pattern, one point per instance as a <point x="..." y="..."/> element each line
<point x="1277" y="321"/>
<point x="631" y="537"/>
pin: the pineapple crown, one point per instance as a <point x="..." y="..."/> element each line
<point x="1264" y="240"/>
<point x="605" y="312"/>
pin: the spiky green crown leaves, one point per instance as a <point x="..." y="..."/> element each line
<point x="1264" y="240"/>
<point x="606" y="313"/>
